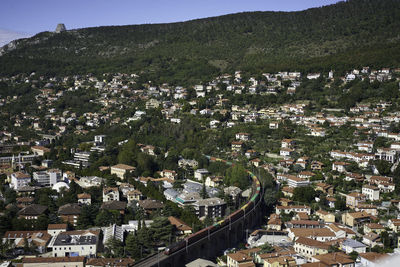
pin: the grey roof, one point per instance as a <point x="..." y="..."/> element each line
<point x="171" y="192"/>
<point x="70" y="209"/>
<point x="113" y="205"/>
<point x="353" y="243"/>
<point x="66" y="239"/>
<point x="32" y="210"/>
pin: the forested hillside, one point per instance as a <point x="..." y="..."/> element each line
<point x="352" y="33"/>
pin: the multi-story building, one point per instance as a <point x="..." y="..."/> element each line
<point x="47" y="178"/>
<point x="110" y="194"/>
<point x="121" y="169"/>
<point x="70" y="213"/>
<point x="308" y="247"/>
<point x="210" y="207"/>
<point x="75" y="243"/>
<point x="354" y="199"/>
<point x="19" y="179"/>
<point x="85" y="199"/>
<point x="371" y="192"/>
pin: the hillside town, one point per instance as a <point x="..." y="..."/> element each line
<point x="105" y="170"/>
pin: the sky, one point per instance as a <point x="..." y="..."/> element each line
<point x="23" y="18"/>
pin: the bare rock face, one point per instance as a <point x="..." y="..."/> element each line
<point x="60" y="28"/>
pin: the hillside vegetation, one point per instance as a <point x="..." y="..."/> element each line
<point x="352" y="33"/>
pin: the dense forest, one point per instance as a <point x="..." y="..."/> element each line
<point x="347" y="34"/>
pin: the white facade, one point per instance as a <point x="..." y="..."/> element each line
<point x="372" y="192"/>
<point x="47" y="178"/>
<point x="19" y="180"/>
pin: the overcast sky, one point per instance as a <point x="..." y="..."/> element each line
<point x="27" y="17"/>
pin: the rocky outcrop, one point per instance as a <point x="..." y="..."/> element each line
<point x="60" y="28"/>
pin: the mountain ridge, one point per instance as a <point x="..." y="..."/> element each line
<point x="254" y="41"/>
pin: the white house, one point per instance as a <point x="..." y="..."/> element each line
<point x="200" y="174"/>
<point x="19" y="179"/>
<point x="372" y="192"/>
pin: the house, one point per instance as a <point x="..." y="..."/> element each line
<point x="75" y="243"/>
<point x="169" y="174"/>
<point x="32" y="212"/>
<point x="70" y="212"/>
<point x="150" y="150"/>
<point x="274" y="125"/>
<point x="84" y="199"/>
<point x="285" y="202"/>
<point x="281" y="261"/>
<point x="339" y="166"/>
<point x="286" y="152"/>
<point x="368" y="208"/>
<point x="373" y="259"/>
<point x="372" y="239"/>
<point x="121" y="169"/>
<point x="313" y="76"/>
<point x="53" y="261"/>
<point x="241" y="258"/>
<point x="325" y="188"/>
<point x="110" y="194"/>
<point x="23" y="202"/>
<point x="40" y="150"/>
<point x="294" y="208"/>
<point x="325" y="216"/>
<point x="55" y="229"/>
<point x="394" y="224"/>
<point x="371" y="192"/>
<point x="354" y="199"/>
<point x="19" y="179"/>
<point x="40" y="239"/>
<point x="355" y="219"/>
<point x="233" y="192"/>
<point x="200" y="174"/>
<point x="214" y="181"/>
<point x="319" y="234"/>
<point x="287" y="143"/>
<point x="115" y="205"/>
<point x="306" y="175"/>
<point x="237" y="146"/>
<point x="274" y="222"/>
<point x="350" y="245"/>
<point x="150" y="205"/>
<point x="373" y="227"/>
<point x="304" y="224"/>
<point x="243" y="136"/>
<point x="303" y="162"/>
<point x="317" y="131"/>
<point x="287" y="191"/>
<point x="181" y="228"/>
<point x="316" y="165"/>
<point x="110" y="262"/>
<point x="387" y="154"/>
<point x="134" y="195"/>
<point x="308" y="247"/>
<point x="341" y="231"/>
<point x="335" y="259"/>
<point x="357" y="177"/>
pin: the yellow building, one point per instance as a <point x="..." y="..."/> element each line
<point x="308" y="247"/>
<point x="373" y="227"/>
<point x="283" y="261"/>
<point x="121" y="169"/>
<point x="326" y="216"/>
